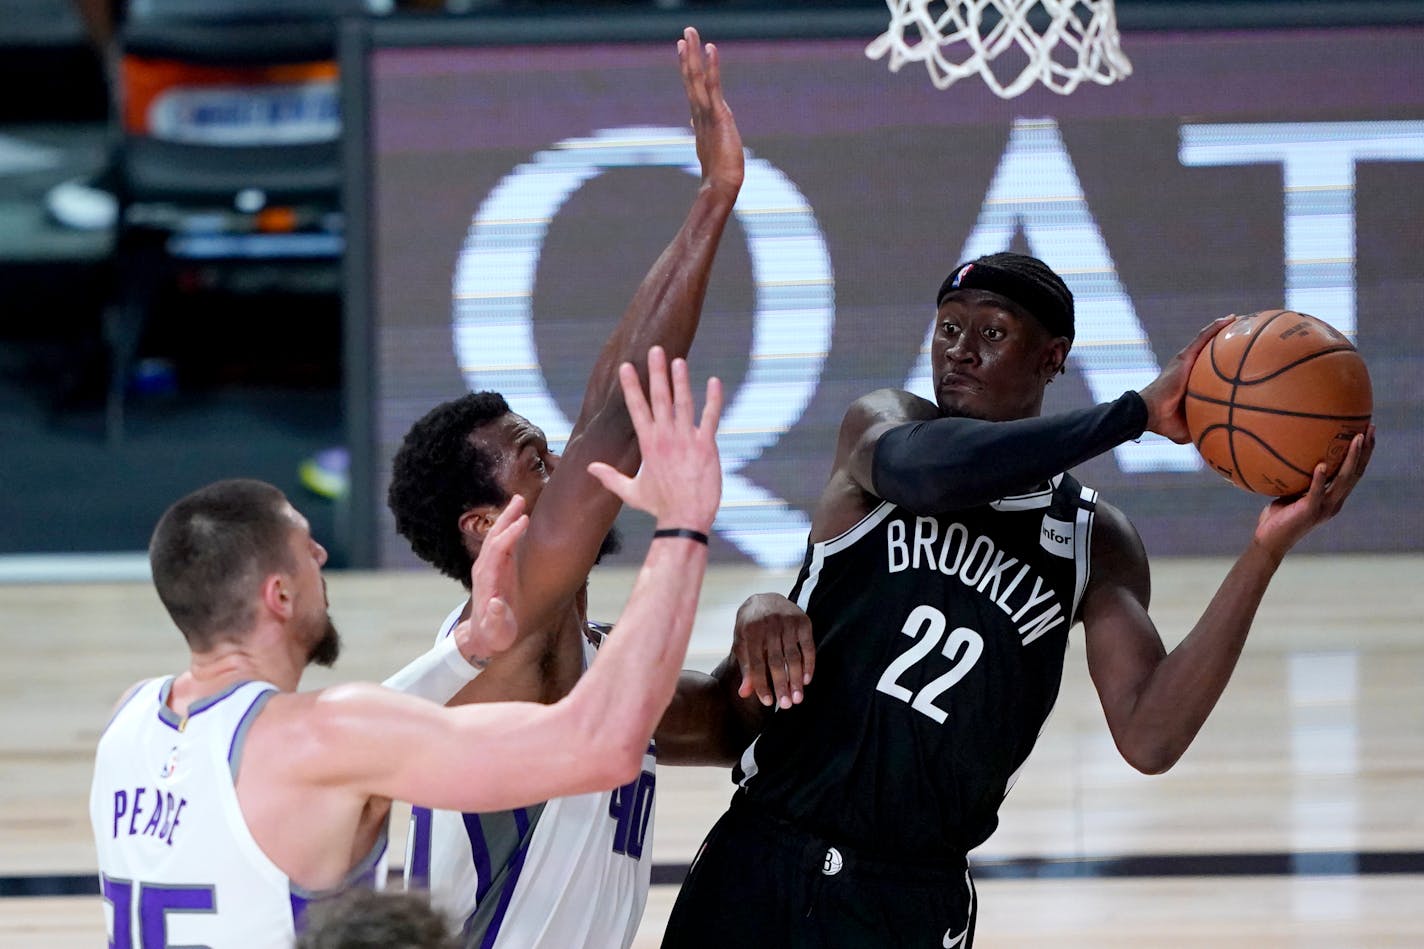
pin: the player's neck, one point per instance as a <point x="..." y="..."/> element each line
<point x="253" y="659"/>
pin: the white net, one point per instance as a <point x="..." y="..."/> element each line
<point x="1010" y="43"/>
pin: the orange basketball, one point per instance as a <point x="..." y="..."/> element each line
<point x="1273" y="395"/>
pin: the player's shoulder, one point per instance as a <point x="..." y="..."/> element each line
<point x="1117" y="551"/>
<point x="875" y="412"/>
<point x="890" y="405"/>
<point x="310" y="725"/>
<point x="127" y="696"/>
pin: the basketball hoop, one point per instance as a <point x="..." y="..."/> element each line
<point x="1057" y="42"/>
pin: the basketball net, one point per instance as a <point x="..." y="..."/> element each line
<point x="1063" y="41"/>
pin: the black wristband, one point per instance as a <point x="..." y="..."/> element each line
<point x="687" y="532"/>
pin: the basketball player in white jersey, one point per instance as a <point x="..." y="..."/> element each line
<point x="224" y="800"/>
<point x="573" y="871"/>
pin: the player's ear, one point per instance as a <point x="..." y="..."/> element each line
<point x="1055" y="358"/>
<point x="277" y="595"/>
<point x="477" y="521"/>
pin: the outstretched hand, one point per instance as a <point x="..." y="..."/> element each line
<point x="1286" y="520"/>
<point x="680" y="481"/>
<point x="719" y="144"/>
<point x="491" y="627"/>
<point x="1166" y="395"/>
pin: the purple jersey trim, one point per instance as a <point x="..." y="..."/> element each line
<point x="479" y="853"/>
<point x="420" y="834"/>
<point x="299" y="911"/>
<point x="516" y="866"/>
<point x="175" y="721"/>
<point x="239" y="734"/>
<point x="362" y="876"/>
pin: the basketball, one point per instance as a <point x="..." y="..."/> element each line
<point x="1273" y="395"/>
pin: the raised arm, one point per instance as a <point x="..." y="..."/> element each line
<point x="574" y="513"/>
<point x="499" y="755"/>
<point x="1155" y="701"/>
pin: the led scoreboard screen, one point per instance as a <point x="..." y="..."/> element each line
<point x="512" y="195"/>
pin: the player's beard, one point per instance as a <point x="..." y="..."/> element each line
<point x="327" y="648"/>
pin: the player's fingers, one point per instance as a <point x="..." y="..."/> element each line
<point x="633" y="398"/>
<point x="501" y="544"/>
<point x="1314" y="496"/>
<point x="681" y="394"/>
<point x="1361" y="458"/>
<point x="1204" y="337"/>
<point x="1352" y="469"/>
<point x="806" y="644"/>
<point x="498" y="624"/>
<point x="761" y="685"/>
<point x="754" y="675"/>
<point x="753" y="681"/>
<point x="776" y="666"/>
<point x="1367" y="450"/>
<point x="693" y="69"/>
<point x="494" y="614"/>
<point x="659" y="393"/>
<point x="712" y="410"/>
<point x="614" y="480"/>
<point x="714" y="73"/>
<point x="508" y="516"/>
<point x="795" y="673"/>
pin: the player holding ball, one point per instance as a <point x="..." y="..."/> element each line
<point x="950" y="554"/>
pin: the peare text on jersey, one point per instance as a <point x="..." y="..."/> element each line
<point x="980" y="565"/>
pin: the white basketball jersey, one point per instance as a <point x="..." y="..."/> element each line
<point x="177" y="863"/>
<point x="571" y="872"/>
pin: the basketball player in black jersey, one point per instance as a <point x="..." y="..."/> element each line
<point x="949" y="556"/>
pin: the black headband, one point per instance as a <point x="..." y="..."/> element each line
<point x="1022" y="280"/>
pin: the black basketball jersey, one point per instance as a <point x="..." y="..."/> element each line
<point x="939" y="652"/>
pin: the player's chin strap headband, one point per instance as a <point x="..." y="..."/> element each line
<point x="1025" y="281"/>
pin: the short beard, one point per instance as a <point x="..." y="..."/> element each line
<point x="324" y="651"/>
<point x="612" y="544"/>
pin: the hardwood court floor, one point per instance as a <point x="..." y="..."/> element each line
<point x="1316" y="751"/>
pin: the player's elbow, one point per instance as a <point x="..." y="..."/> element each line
<point x="612" y="762"/>
<point x="610" y="750"/>
<point x="626" y="763"/>
<point x="1151" y="757"/>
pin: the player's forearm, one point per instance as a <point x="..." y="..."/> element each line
<point x="947" y="464"/>
<point x="667" y="307"/>
<point x="632" y="680"/>
<point x="438" y="675"/>
<point x="1186" y="686"/>
<point x="706" y="723"/>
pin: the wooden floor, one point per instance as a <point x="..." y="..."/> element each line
<point x="1316" y="751"/>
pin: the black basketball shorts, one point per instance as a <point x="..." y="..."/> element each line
<point x="761" y="883"/>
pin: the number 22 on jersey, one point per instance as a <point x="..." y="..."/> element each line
<point x="963" y="647"/>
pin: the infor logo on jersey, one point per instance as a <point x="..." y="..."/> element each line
<point x="1056" y="537"/>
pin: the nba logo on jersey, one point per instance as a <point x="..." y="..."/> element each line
<point x="1056" y="537"/>
<point x="171" y="765"/>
